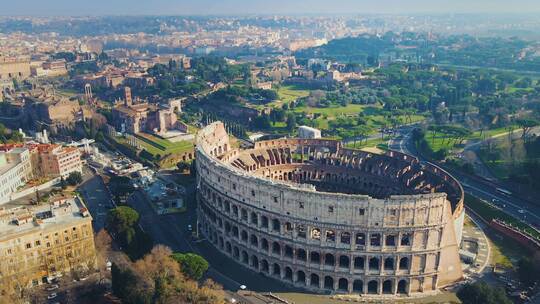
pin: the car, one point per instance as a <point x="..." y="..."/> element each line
<point x="243" y="287"/>
<point x="521" y="211"/>
<point x="189" y="228"/>
<point x="52" y="287"/>
<point x="52" y="296"/>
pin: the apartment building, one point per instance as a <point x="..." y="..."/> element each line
<point x="38" y="243"/>
<point x="15" y="170"/>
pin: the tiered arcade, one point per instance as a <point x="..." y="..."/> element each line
<point x="316" y="215"/>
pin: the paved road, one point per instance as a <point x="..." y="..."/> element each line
<point x="97" y="199"/>
<point x="488" y="191"/>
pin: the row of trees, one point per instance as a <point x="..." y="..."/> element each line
<point x="123" y="224"/>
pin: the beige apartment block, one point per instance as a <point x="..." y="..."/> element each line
<point x="43" y="242"/>
<point x="317" y="215"/>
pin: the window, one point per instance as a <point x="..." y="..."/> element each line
<point x="301" y="205"/>
<point x="330" y="209"/>
<point x="28" y="246"/>
<point x="361" y="211"/>
<point x="252" y="192"/>
<point x="234" y="186"/>
<point x="275" y="199"/>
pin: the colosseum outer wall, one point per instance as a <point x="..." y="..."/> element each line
<point x="347" y="243"/>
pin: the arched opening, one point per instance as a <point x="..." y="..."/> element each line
<point x="359" y="263"/>
<point x="244" y="214"/>
<point x="314" y="280"/>
<point x="375" y="239"/>
<point x="254" y="262"/>
<point x="288" y="251"/>
<point x="276" y="225"/>
<point x="344" y="261"/>
<point x="404" y="263"/>
<point x="315" y="233"/>
<point x="330" y="236"/>
<point x="277" y="270"/>
<point x="264" y="244"/>
<point x="372" y="287"/>
<point x="402" y="287"/>
<point x="387" y="287"/>
<point x="329" y="259"/>
<point x="345" y="238"/>
<point x="245" y="258"/>
<point x="244" y="236"/>
<point x="301" y="254"/>
<point x="358" y="286"/>
<point x="300" y="277"/>
<point x="389" y="264"/>
<point x="264" y="266"/>
<point x="405" y="239"/>
<point x="360" y="239"/>
<point x="236" y="252"/>
<point x="328" y="283"/>
<point x="254" y="218"/>
<point x="254" y="241"/>
<point x="264" y="222"/>
<point x="315" y="257"/>
<point x="374" y="264"/>
<point x="288" y="274"/>
<point x="276" y="248"/>
<point x="390" y="240"/>
<point x="343" y="285"/>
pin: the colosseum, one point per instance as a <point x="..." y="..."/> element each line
<point x="319" y="216"/>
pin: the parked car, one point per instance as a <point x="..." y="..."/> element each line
<point x="52" y="287"/>
<point x="52" y="296"/>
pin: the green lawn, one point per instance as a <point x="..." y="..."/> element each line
<point x="374" y="142"/>
<point x="163" y="146"/>
<point x="332" y="111"/>
<point x="291" y="93"/>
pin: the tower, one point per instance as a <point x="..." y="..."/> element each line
<point x="128" y="100"/>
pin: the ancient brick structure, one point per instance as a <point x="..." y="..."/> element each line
<point x="316" y="215"/>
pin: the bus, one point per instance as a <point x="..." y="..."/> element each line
<point x="504" y="191"/>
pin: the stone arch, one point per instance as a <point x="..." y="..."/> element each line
<point x="236" y="252"/>
<point x="328" y="283"/>
<point x="361" y="239"/>
<point x="373" y="287"/>
<point x="255" y="262"/>
<point x="314" y="280"/>
<point x="314" y="257"/>
<point x="276" y="248"/>
<point x="329" y="259"/>
<point x="301" y="277"/>
<point x="301" y="254"/>
<point x="358" y="286"/>
<point x="228" y="247"/>
<point x="244" y="214"/>
<point x="359" y="263"/>
<point x="402" y="286"/>
<point x="344" y="261"/>
<point x="264" y="221"/>
<point x="404" y="263"/>
<point x="254" y="218"/>
<point x="288" y="274"/>
<point x="374" y="263"/>
<point x="254" y="241"/>
<point x="345" y="238"/>
<point x="244" y="236"/>
<point x="264" y="266"/>
<point x="276" y="225"/>
<point x="276" y="270"/>
<point x="389" y="263"/>
<point x="375" y="239"/>
<point x="405" y="239"/>
<point x="245" y="257"/>
<point x="387" y="287"/>
<point x="264" y="244"/>
<point x="288" y="252"/>
<point x="343" y="285"/>
<point x="390" y="240"/>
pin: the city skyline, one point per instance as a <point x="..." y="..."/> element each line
<point x="258" y="7"/>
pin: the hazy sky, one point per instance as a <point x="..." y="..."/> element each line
<point x="239" y="7"/>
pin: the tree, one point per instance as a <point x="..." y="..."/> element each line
<point x="529" y="270"/>
<point x="193" y="265"/>
<point x="480" y="292"/>
<point x="120" y="186"/>
<point x="291" y="121"/>
<point x="62" y="183"/>
<point x="74" y="178"/>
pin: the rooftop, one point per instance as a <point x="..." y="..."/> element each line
<point x="19" y="219"/>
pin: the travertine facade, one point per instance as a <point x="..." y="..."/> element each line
<point x="38" y="243"/>
<point x="317" y="215"/>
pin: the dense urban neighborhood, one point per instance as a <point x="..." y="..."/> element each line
<point x="270" y="159"/>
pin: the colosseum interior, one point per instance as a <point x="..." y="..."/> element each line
<point x="319" y="216"/>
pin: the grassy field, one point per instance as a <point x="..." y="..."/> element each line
<point x="291" y="93"/>
<point x="351" y="109"/>
<point x="156" y="145"/>
<point x="374" y="142"/>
